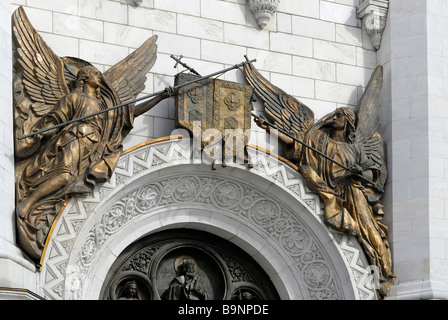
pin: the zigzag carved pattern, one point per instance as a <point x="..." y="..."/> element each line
<point x="152" y="157"/>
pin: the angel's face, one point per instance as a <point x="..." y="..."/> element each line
<point x="339" y="120"/>
<point x="94" y="78"/>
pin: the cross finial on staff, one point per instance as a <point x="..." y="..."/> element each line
<point x="178" y="61"/>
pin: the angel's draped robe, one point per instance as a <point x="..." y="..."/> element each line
<point x="348" y="204"/>
<point x="87" y="151"/>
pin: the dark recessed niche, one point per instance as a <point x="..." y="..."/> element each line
<point x="186" y="264"/>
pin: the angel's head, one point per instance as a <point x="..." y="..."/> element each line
<point x="344" y="119"/>
<point x="91" y="76"/>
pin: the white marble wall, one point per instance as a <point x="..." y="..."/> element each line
<point x="16" y="272"/>
<point x="415" y="53"/>
<point x="313" y="49"/>
<point x="437" y="25"/>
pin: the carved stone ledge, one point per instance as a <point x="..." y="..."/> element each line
<point x="263" y="10"/>
<point x="373" y="14"/>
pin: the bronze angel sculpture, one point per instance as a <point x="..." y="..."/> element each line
<point x="350" y="138"/>
<point x="50" y="90"/>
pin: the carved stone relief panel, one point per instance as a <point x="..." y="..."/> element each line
<point x="186" y="265"/>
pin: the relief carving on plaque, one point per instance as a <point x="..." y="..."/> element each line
<point x="342" y="159"/>
<point x="218" y="115"/>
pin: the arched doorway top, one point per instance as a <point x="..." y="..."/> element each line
<point x="266" y="210"/>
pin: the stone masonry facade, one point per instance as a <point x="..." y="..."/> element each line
<point x="315" y="50"/>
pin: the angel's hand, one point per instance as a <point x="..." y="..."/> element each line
<point x="37" y="136"/>
<point x="356" y="169"/>
<point x="261" y="122"/>
<point x="169" y="92"/>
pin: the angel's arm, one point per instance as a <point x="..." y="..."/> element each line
<point x="45" y="122"/>
<point x="358" y="170"/>
<point x="60" y="114"/>
<point x="262" y="123"/>
<point x="365" y="166"/>
<point x="148" y="105"/>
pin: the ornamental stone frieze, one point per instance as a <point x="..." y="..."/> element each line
<point x="155" y="187"/>
<point x="263" y="10"/>
<point x="373" y="14"/>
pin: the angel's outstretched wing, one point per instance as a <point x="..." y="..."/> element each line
<point x="43" y="70"/>
<point x="40" y="75"/>
<point x="282" y="109"/>
<point x="367" y="111"/>
<point x="128" y="76"/>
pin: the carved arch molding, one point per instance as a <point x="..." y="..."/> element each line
<point x="265" y="213"/>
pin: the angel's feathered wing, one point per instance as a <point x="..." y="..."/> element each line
<point x="43" y="75"/>
<point x="128" y="76"/>
<point x="39" y="82"/>
<point x="281" y="108"/>
<point x="367" y="111"/>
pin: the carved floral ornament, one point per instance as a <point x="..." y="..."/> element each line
<point x="84" y="232"/>
<point x="263" y="10"/>
<point x="372" y="13"/>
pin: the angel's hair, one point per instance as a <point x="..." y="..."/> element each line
<point x="350" y="129"/>
<point x="82" y="77"/>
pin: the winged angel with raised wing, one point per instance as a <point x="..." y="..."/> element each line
<point x="57" y="164"/>
<point x="349" y="138"/>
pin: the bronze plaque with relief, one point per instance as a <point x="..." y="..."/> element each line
<point x="214" y="104"/>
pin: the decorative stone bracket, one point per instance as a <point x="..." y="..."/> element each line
<point x="263" y="10"/>
<point x="373" y="14"/>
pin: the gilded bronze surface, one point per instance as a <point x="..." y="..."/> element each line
<point x="50" y="90"/>
<point x="220" y="110"/>
<point x="336" y="151"/>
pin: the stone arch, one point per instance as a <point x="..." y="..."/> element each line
<point x="266" y="211"/>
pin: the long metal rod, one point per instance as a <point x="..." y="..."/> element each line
<point x="315" y="150"/>
<point x="135" y="100"/>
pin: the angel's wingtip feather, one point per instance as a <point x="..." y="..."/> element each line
<point x="20" y="14"/>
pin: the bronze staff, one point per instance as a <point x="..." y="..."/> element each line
<point x="313" y="149"/>
<point x="237" y="66"/>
